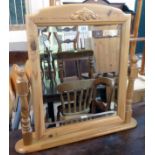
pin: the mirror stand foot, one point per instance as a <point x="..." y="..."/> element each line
<point x="50" y="141"/>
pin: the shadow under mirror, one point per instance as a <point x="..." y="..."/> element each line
<point x="79" y="71"/>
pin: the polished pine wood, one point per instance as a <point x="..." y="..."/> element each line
<point x="13" y="97"/>
<point x="142" y="69"/>
<point x="23" y="91"/>
<point x="34" y="61"/>
<point x="140" y="39"/>
<point x="19" y="87"/>
<point x="79" y="97"/>
<point x="107" y="59"/>
<point x="133" y="75"/>
<point x="79" y="14"/>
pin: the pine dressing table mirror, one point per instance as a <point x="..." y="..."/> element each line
<point x="102" y="24"/>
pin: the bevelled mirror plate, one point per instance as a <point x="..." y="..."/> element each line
<point x="104" y="41"/>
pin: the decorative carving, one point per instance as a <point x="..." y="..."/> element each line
<point x="84" y="14"/>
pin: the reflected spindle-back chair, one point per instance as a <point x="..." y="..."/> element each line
<point x="76" y="97"/>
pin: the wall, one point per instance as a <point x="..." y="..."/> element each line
<point x="17" y="39"/>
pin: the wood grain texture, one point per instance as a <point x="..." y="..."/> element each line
<point x="142" y="69"/>
<point x="106" y="50"/>
<point x="12" y="99"/>
<point x="22" y="89"/>
<point x="86" y="14"/>
<point x="78" y="90"/>
<point x="122" y="81"/>
<point x="34" y="60"/>
<point x="103" y="13"/>
<point x="133" y="75"/>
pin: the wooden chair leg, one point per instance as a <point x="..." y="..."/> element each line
<point x="93" y="108"/>
<point x="77" y="64"/>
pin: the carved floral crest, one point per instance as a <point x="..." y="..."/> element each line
<point x="84" y="14"/>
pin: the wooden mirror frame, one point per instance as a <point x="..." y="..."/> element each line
<point x="78" y="14"/>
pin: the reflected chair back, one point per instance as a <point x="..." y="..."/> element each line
<point x="63" y="57"/>
<point x="76" y="97"/>
<point x="74" y="40"/>
<point x="109" y="85"/>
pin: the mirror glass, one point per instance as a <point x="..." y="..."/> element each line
<point x="104" y="41"/>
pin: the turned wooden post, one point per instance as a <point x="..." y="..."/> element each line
<point x="130" y="88"/>
<point x="23" y="90"/>
<point x="142" y="70"/>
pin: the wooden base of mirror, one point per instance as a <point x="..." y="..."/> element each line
<point x="49" y="142"/>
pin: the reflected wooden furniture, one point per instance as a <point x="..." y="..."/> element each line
<point x="45" y="57"/>
<point x="109" y="87"/>
<point x="63" y="57"/>
<point x="46" y="65"/>
<point x="60" y="41"/>
<point x="79" y="98"/>
<point x="81" y="14"/>
<point x="66" y="41"/>
<point x="106" y="50"/>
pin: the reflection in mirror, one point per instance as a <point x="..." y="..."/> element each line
<point x="80" y="69"/>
